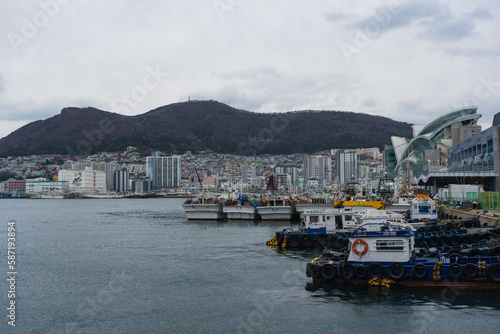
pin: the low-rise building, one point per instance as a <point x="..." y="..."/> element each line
<point x="43" y="186"/>
<point x="84" y="181"/>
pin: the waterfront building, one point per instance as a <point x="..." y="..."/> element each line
<point x="86" y="181"/>
<point x="16" y="186"/>
<point x="121" y="180"/>
<point x="413" y="157"/>
<point x="110" y="169"/>
<point x="347" y="167"/>
<point x="44" y="186"/>
<point x="141" y="186"/>
<point x="475" y="160"/>
<point x="164" y="171"/>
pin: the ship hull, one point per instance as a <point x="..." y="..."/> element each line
<point x="234" y="212"/>
<point x="281" y="213"/>
<point x="203" y="211"/>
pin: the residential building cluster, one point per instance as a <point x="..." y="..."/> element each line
<point x="450" y="148"/>
<point x="135" y="173"/>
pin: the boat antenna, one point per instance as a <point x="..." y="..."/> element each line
<point x="198" y="176"/>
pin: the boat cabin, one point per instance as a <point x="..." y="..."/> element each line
<point x="381" y="241"/>
<point x="331" y="220"/>
<point x="423" y="208"/>
<point x="328" y="220"/>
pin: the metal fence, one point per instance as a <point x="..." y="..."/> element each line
<point x="472" y="196"/>
<point x="488" y="200"/>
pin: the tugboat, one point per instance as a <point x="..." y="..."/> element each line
<point x="330" y="227"/>
<point x="382" y="253"/>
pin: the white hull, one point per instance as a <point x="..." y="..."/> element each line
<point x="103" y="196"/>
<point x="46" y="196"/>
<point x="235" y="212"/>
<point x="398" y="207"/>
<point x="275" y="212"/>
<point x="203" y="211"/>
<point x="302" y="207"/>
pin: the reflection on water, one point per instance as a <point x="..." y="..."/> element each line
<point x="404" y="296"/>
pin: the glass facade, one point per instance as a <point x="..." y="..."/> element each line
<point x="476" y="154"/>
<point x="412" y="156"/>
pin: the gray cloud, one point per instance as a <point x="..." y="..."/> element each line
<point x="473" y="52"/>
<point x="2" y="84"/>
<point x="446" y="28"/>
<point x="337" y="17"/>
<point x="402" y="14"/>
<point x="28" y="111"/>
<point x="481" y="13"/>
<point x="369" y="102"/>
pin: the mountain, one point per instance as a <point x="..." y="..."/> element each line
<point x="201" y="125"/>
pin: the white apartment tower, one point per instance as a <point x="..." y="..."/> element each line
<point x="347" y="166"/>
<point x="164" y="171"/>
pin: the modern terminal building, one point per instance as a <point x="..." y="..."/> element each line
<point x="450" y="150"/>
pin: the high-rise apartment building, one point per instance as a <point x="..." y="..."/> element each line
<point x="346" y="166"/>
<point x="318" y="167"/>
<point x="164" y="171"/>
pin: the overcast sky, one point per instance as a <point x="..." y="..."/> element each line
<point x="411" y="61"/>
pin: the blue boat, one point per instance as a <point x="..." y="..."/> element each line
<point x="330" y="228"/>
<point x="383" y="253"/>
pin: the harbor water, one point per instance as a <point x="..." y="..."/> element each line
<point x="138" y="266"/>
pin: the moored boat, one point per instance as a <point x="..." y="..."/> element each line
<point x="330" y="227"/>
<point x="276" y="209"/>
<point x="203" y="208"/>
<point x="242" y="208"/>
<point x="381" y="253"/>
<point x="312" y="203"/>
<point x="423" y="209"/>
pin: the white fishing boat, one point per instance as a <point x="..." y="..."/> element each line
<point x="312" y="203"/>
<point x="240" y="212"/>
<point x="275" y="207"/>
<point x="276" y="212"/>
<point x="203" y="208"/>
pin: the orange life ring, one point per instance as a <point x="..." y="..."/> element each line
<point x="365" y="247"/>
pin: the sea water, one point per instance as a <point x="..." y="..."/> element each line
<point x="138" y="266"/>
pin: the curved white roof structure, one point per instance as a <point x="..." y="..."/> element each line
<point x="411" y="151"/>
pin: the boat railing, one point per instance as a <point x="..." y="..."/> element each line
<point x="381" y="229"/>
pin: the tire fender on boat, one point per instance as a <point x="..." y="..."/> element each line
<point x="293" y="240"/>
<point x="419" y="270"/>
<point x="396" y="270"/>
<point x="375" y="270"/>
<point x="328" y="271"/>
<point x="455" y="270"/>
<point x="315" y="270"/>
<point x="470" y="270"/>
<point x="494" y="272"/>
<point x="347" y="271"/>
<point x="361" y="271"/>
